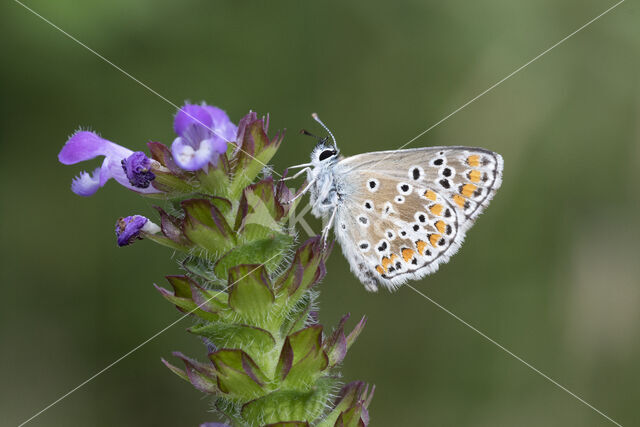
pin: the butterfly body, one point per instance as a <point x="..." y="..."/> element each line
<point x="399" y="214"/>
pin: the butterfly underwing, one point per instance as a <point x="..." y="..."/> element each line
<point x="399" y="214"/>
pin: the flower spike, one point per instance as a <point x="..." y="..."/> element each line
<point x="250" y="292"/>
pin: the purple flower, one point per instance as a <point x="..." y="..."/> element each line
<point x="203" y="132"/>
<point x="129" y="228"/>
<point x="85" y="145"/>
<point x="137" y="167"/>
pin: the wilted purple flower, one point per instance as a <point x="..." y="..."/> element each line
<point x="85" y="145"/>
<point x="129" y="228"/>
<point x="137" y="167"/>
<point x="203" y="132"/>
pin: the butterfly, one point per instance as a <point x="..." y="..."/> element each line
<point x="399" y="214"/>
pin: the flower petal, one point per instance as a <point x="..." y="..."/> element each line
<point x="218" y="146"/>
<point x="222" y="125"/>
<point x="192" y="159"/>
<point x="190" y="115"/>
<point x="86" y="185"/>
<point x="85" y="145"/>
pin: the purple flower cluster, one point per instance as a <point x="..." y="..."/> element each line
<point x="203" y="133"/>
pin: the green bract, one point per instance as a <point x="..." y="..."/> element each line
<point x="269" y="361"/>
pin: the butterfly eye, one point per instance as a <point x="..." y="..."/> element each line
<point x="326" y="154"/>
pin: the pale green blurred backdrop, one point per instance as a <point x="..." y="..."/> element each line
<point x="550" y="271"/>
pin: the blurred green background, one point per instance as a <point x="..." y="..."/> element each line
<point x="550" y="270"/>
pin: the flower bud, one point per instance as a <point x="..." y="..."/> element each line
<point x="129" y="228"/>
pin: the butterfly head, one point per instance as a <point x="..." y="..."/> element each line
<point x="325" y="152"/>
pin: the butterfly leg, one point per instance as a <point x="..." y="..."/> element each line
<point x="305" y="170"/>
<point x="302" y="193"/>
<point x="303" y="165"/>
<point x="325" y="230"/>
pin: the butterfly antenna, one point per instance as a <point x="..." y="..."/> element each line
<point x="307" y="133"/>
<point x="317" y="119"/>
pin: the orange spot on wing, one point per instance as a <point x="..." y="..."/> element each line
<point x="431" y="195"/>
<point x="468" y="189"/>
<point x="380" y="270"/>
<point x="407" y="254"/>
<point x="394" y="257"/>
<point x="475" y="175"/>
<point x="436" y="209"/>
<point x="459" y="200"/>
<point x="441" y="226"/>
<point x="385" y="263"/>
<point x="433" y="239"/>
<point x="473" y="160"/>
<point x="421" y="245"/>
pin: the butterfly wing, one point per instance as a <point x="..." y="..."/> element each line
<point x="406" y="212"/>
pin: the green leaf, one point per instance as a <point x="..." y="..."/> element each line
<point x="179" y="372"/>
<point x="216" y="180"/>
<point x="256" y="231"/>
<point x="336" y="345"/>
<point x="172" y="184"/>
<point x="205" y="225"/>
<point x="210" y="300"/>
<point x="289" y="405"/>
<point x="297" y="318"/>
<point x="306" y="342"/>
<point x="199" y="303"/>
<point x="351" y="418"/>
<point x="223" y="205"/>
<point x="229" y="409"/>
<point x="353" y="395"/>
<point x="172" y="228"/>
<point x="186" y="305"/>
<point x="255" y="152"/>
<point x="257" y="252"/>
<point x="356" y="331"/>
<point x="254" y="341"/>
<point x="302" y="354"/>
<point x="164" y="241"/>
<point x="262" y="196"/>
<point x="162" y="155"/>
<point x="247" y="174"/>
<point x="238" y="374"/>
<point x="306" y="269"/>
<point x="201" y="268"/>
<point x="201" y="376"/>
<point x="250" y="294"/>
